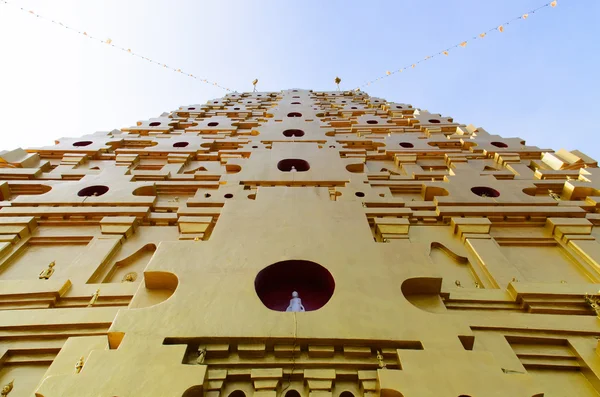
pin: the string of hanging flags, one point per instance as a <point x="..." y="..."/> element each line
<point x="445" y="52"/>
<point x="110" y="42"/>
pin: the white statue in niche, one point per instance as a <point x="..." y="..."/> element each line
<point x="295" y="304"/>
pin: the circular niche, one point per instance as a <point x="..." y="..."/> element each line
<point x="96" y="190"/>
<point x="275" y="283"/>
<point x="359" y="194"/>
<point x="191" y="108"/>
<point x="291" y="133"/>
<point x="213" y="124"/>
<point x="372" y="122"/>
<point x="499" y="144"/>
<point x="434" y="121"/>
<point x="180" y="144"/>
<point x="294" y="114"/>
<point x="297" y="164"/>
<point x="228" y="196"/>
<point x="155" y="124"/>
<point x="484" y="191"/>
<point x="407" y="145"/>
<point x="83" y="143"/>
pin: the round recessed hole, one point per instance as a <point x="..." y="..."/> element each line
<point x="236" y="108"/>
<point x="83" y="143"/>
<point x="294" y="114"/>
<point x="353" y="107"/>
<point x="372" y="122"/>
<point x="484" y="191"/>
<point x="291" y="133"/>
<point x="206" y="195"/>
<point x="295" y="103"/>
<point x="291" y="165"/>
<point x="398" y="107"/>
<point x="95" y="190"/>
<point x="406" y="145"/>
<point x="228" y="196"/>
<point x="499" y="144"/>
<point x="180" y="144"/>
<point x="155" y="124"/>
<point x="254" y="147"/>
<point x="275" y="284"/>
<point x="213" y="124"/>
<point x="434" y="121"/>
<point x="191" y="108"/>
<point x="332" y="146"/>
<point x="359" y="194"/>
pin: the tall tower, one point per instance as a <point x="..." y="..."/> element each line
<point x="299" y="244"/>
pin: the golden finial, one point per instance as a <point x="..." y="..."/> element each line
<point x="94" y="298"/>
<point x="79" y="365"/>
<point x="7" y="388"/>
<point x="254" y="83"/>
<point x="46" y="273"/>
<point x="382" y="364"/>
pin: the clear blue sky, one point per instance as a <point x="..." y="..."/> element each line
<point x="538" y="80"/>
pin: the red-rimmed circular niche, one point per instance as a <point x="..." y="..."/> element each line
<point x="299" y="165"/>
<point x="275" y="283"/>
<point x="180" y="144"/>
<point x="406" y="145"/>
<point x="96" y="190"/>
<point x="499" y="144"/>
<point x="155" y="124"/>
<point x="484" y="191"/>
<point x="83" y="143"/>
<point x="291" y="133"/>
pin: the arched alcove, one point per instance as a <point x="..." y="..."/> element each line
<point x="237" y="393"/>
<point x="131" y="264"/>
<point x="390" y="393"/>
<point x="292" y="393"/>
<point x="96" y="190"/>
<point x="145" y="191"/>
<point x="158" y="287"/>
<point x="484" y="191"/>
<point x="275" y="283"/>
<point x="293" y="133"/>
<point x="346" y="394"/>
<point x="356" y="168"/>
<point x="82" y="143"/>
<point x="298" y="165"/>
<point x="454" y="268"/>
